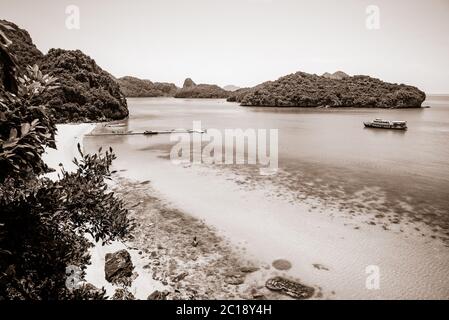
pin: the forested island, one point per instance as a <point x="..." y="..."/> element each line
<point x="192" y="90"/>
<point x="302" y="89"/>
<point x="136" y="88"/>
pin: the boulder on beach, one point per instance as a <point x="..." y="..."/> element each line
<point x="135" y="87"/>
<point x="282" y="264"/>
<point x="234" y="278"/>
<point x="302" y="89"/>
<point x="118" y="267"/>
<point x="157" y="295"/>
<point x="288" y="287"/>
<point x="123" y="294"/>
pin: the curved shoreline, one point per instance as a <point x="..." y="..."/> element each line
<point x="410" y="268"/>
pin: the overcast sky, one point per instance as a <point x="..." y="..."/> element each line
<point x="245" y="42"/>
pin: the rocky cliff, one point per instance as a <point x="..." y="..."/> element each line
<point x="330" y="90"/>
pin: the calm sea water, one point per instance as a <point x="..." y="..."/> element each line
<point x="327" y="153"/>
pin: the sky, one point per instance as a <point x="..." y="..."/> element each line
<point x="246" y="42"/>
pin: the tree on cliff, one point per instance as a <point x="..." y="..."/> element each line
<point x="43" y="223"/>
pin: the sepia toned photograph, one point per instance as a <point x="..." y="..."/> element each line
<point x="241" y="151"/>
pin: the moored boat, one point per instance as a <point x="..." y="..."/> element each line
<point x="386" y="124"/>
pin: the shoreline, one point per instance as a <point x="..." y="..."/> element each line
<point x="170" y="264"/>
<point x="316" y="244"/>
<point x="411" y="267"/>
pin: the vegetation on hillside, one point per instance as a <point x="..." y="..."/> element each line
<point x="306" y="90"/>
<point x="43" y="223"/>
<point x="135" y="87"/>
<point x="21" y="44"/>
<point x="86" y="92"/>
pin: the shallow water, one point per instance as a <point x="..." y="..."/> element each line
<point x="344" y="197"/>
<point x="326" y="153"/>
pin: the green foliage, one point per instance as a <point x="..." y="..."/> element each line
<point x="44" y="223"/>
<point x="25" y="128"/>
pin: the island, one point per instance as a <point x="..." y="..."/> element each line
<point x="302" y="89"/>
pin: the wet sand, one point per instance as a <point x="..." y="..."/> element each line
<point x="238" y="222"/>
<point x="172" y="252"/>
<point x="267" y="226"/>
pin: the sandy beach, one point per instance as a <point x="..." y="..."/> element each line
<point x="308" y="236"/>
<point x="163" y="251"/>
<point x="194" y="245"/>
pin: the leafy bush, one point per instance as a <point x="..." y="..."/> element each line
<point x="43" y="223"/>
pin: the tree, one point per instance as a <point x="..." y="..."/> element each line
<point x="43" y="223"/>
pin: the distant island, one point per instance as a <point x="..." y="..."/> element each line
<point x="135" y="87"/>
<point x="231" y="88"/>
<point x="192" y="90"/>
<point x="299" y="89"/>
<point x="302" y="89"/>
<point x="88" y="93"/>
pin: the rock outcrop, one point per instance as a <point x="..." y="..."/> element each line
<point x="210" y="91"/>
<point x="188" y="83"/>
<point x="135" y="87"/>
<point x="337" y="90"/>
<point x="118" y="267"/>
